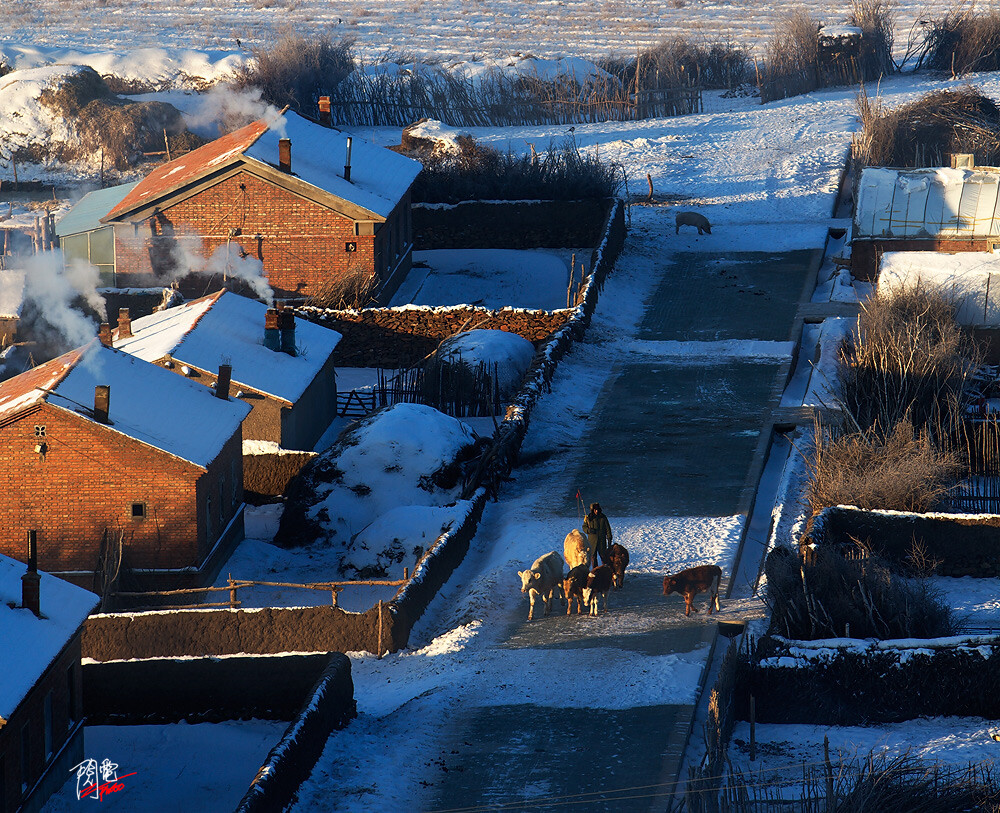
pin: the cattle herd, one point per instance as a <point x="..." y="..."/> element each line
<point x="586" y="586"/>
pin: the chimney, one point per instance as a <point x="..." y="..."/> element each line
<point x="347" y="166"/>
<point x="285" y="155"/>
<point x="30" y="593"/>
<point x="325" y="117"/>
<point x="104" y="334"/>
<point x="102" y="403"/>
<point x="272" y="337"/>
<point x="124" y="324"/>
<point x="286" y="324"/>
<point x="222" y="382"/>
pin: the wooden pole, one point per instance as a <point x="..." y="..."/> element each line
<point x="166" y="143"/>
<point x="828" y="769"/>
<point x="753" y="728"/>
<point x="379" y="653"/>
<point x="649" y="180"/>
<point x="233" y="601"/>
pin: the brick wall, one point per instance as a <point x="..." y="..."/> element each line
<point x="302" y="243"/>
<point x="399" y="337"/>
<point x="67" y="739"/>
<point x="87" y="482"/>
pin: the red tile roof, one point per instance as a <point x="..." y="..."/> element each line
<point x="29" y="388"/>
<point x="176" y="173"/>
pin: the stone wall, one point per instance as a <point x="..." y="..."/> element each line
<point x="398" y="337"/>
<point x="966" y="544"/>
<point x="513" y="224"/>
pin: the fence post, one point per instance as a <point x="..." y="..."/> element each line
<point x="753" y="728"/>
<point x="378" y="654"/>
<point x="828" y="768"/>
<point x="233" y="601"/>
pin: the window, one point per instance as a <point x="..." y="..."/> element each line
<point x="47" y="725"/>
<point x="138" y="510"/>
<point x="39" y="431"/>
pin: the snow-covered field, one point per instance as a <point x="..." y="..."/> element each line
<point x="445" y="29"/>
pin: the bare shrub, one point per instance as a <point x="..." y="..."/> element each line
<point x="348" y="291"/>
<point x="791" y="58"/>
<point x="897" y="472"/>
<point x="963" y="41"/>
<point x="678" y="62"/>
<point x="923" y="132"/>
<point x="876" y="19"/>
<point x="908" y="360"/>
<point x="482" y="173"/>
<point x="825" y="595"/>
<point x="296" y="69"/>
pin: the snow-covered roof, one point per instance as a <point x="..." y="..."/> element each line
<point x="229" y="328"/>
<point x="839" y="31"/>
<point x="379" y="177"/>
<point x="972" y="278"/>
<point x="939" y="202"/>
<point x="11" y="293"/>
<point x="150" y="404"/>
<point x="87" y="213"/>
<point x="29" y="644"/>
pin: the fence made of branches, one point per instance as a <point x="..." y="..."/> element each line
<point x="460" y="390"/>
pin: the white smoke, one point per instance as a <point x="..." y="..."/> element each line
<point x="53" y="289"/>
<point x="229" y="261"/>
<point x="224" y="109"/>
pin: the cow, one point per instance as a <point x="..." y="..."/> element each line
<point x="573" y="586"/>
<point x="618" y="559"/>
<point x="694" y="580"/>
<point x="576" y="549"/>
<point x="543" y="579"/>
<point x="692" y="219"/>
<point x="598" y="584"/>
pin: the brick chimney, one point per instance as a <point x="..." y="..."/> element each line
<point x="223" y="381"/>
<point x="347" y="164"/>
<point x="124" y="324"/>
<point x="285" y="155"/>
<point x="272" y="337"/>
<point x="102" y="403"/>
<point x="104" y="334"/>
<point x="286" y="324"/>
<point x="30" y="591"/>
<point x="325" y="117"/>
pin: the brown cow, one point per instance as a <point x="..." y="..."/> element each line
<point x="618" y="559"/>
<point x="598" y="584"/>
<point x="694" y="580"/>
<point x="573" y="586"/>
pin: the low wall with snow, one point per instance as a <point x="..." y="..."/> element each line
<point x="851" y="682"/>
<point x="966" y="544"/>
<point x="224" y="631"/>
<point x="167" y="690"/>
<point x="509" y="224"/>
<point x="398" y="337"/>
<point x="329" y="706"/>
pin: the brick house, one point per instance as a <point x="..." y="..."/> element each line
<point x="109" y="457"/>
<point x="41" y="708"/>
<point x="282" y="367"/>
<point x="309" y="202"/>
<point x="939" y="209"/>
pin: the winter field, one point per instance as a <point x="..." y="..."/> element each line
<point x="438" y="29"/>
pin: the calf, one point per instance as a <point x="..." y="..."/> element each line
<point x="692" y="219"/>
<point x="694" y="580"/>
<point x="573" y="586"/>
<point x="576" y="549"/>
<point x="618" y="559"/>
<point x="542" y="579"/>
<point x="598" y="584"/>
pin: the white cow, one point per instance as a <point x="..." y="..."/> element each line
<point x="543" y="579"/>
<point x="577" y="550"/>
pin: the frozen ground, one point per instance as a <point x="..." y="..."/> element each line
<point x="444" y="29"/>
<point x="176" y="767"/>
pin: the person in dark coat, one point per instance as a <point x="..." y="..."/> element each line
<point x="598" y="531"/>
